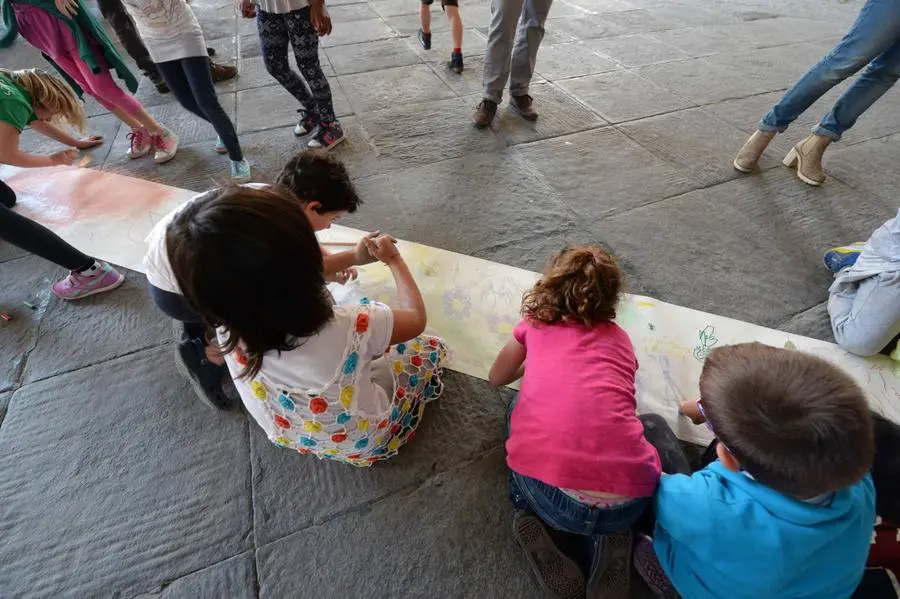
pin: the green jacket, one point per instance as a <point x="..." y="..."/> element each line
<point x="84" y="27"/>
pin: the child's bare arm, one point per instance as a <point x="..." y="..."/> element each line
<point x="11" y="154"/>
<point x="509" y="365"/>
<point x="692" y="410"/>
<point x="410" y="317"/>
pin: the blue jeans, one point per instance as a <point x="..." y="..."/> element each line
<point x="873" y="40"/>
<point x="865" y="315"/>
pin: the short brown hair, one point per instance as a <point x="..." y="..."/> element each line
<point x="248" y="259"/>
<point x="580" y="285"/>
<point x="318" y="177"/>
<point x="795" y="422"/>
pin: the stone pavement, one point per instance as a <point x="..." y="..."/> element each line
<point x="116" y="482"/>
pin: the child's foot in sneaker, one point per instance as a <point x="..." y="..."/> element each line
<point x="556" y="572"/>
<point x="456" y="62"/>
<point x="166" y="146"/>
<point x="308" y="123"/>
<point x="240" y="171"/>
<point x="205" y="377"/>
<point x="141" y="143"/>
<point x="839" y="258"/>
<point x="98" y="278"/>
<point x="328" y="136"/>
<point x="425" y="39"/>
<point x="220" y="146"/>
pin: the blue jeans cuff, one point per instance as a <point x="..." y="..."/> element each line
<point x="820" y="130"/>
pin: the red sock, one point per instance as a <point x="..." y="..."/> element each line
<point x="457" y="50"/>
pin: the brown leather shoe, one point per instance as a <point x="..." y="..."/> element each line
<point x="523" y="105"/>
<point x="222" y="72"/>
<point x="484" y="114"/>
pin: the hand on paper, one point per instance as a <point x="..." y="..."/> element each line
<point x="382" y="247"/>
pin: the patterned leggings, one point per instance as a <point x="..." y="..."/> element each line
<point x="295" y="27"/>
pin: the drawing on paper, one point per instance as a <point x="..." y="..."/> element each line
<point x="707" y="341"/>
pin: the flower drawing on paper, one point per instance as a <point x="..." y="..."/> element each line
<point x="708" y="340"/>
<point x="457" y="303"/>
<point x="501" y="325"/>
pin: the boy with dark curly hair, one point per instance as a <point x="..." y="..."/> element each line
<point x="580" y="459"/>
<point x="323" y="191"/>
<point x="787" y="509"/>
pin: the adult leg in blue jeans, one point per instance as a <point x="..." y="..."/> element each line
<point x="872" y="40"/>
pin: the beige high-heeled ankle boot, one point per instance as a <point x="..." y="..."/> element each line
<point x="807" y="157"/>
<point x="749" y="155"/>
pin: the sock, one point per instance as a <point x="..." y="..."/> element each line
<point x="457" y="50"/>
<point x="86" y="268"/>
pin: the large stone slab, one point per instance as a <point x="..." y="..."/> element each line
<point x="348" y="13"/>
<point x="116" y="479"/>
<point x="623" y="96"/>
<point x="698" y="41"/>
<point x="10" y="252"/>
<point x="496" y="198"/>
<point x="233" y="578"/>
<point x="704" y="82"/>
<point x="749" y="249"/>
<point x="449" y="537"/>
<point x="371" y="56"/>
<point x="867" y="167"/>
<point x="637" y="50"/>
<point x="390" y="88"/>
<point x="293" y="492"/>
<point x="560" y="114"/>
<point x="4" y="404"/>
<point x="357" y="32"/>
<point x="813" y="322"/>
<point x="574" y="59"/>
<point x="393" y="8"/>
<point x="97" y="329"/>
<point x="694" y="141"/>
<point x="25" y="279"/>
<point x="642" y="21"/>
<point x="623" y="175"/>
<point x="412" y="137"/>
<point x="583" y="27"/>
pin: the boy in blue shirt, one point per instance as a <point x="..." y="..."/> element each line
<point x="788" y="508"/>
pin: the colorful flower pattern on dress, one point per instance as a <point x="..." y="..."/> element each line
<point x="329" y="429"/>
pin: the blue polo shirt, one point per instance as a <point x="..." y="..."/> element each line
<point x="720" y="534"/>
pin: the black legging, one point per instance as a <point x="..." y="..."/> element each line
<point x="175" y="306"/>
<point x="193" y="87"/>
<point x="36" y="239"/>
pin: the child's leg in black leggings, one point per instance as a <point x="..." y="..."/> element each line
<point x="175" y="306"/>
<point x="305" y="41"/>
<point x="273" y="41"/>
<point x="193" y="87"/>
<point x="37" y="239"/>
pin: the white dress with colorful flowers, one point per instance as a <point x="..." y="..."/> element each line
<point x="320" y="397"/>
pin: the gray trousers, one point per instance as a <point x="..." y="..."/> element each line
<point x="865" y="316"/>
<point x="514" y="61"/>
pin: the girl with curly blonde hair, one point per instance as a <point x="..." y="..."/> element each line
<point x="43" y="102"/>
<point x="578" y="456"/>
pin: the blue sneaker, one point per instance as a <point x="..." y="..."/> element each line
<point x="240" y="171"/>
<point x="839" y="258"/>
<point x="220" y="146"/>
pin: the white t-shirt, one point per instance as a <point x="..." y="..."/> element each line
<point x="316" y="363"/>
<point x="156" y="260"/>
<point x="168" y="28"/>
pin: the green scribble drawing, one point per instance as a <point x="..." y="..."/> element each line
<point x="789" y="345"/>
<point x="708" y="340"/>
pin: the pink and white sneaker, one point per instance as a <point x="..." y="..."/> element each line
<point x="166" y="146"/>
<point x="141" y="143"/>
<point x="98" y="278"/>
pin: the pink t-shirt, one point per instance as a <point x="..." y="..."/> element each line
<point x="574" y="425"/>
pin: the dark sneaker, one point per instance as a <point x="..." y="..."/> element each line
<point x="307" y="123"/>
<point x="456" y="62"/>
<point x="222" y="72"/>
<point x="328" y="136"/>
<point x="211" y="52"/>
<point x="523" y="105"/>
<point x="484" y="114"/>
<point x="205" y="377"/>
<point x="839" y="258"/>
<point x="557" y="573"/>
<point x="425" y="39"/>
<point x="161" y="86"/>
